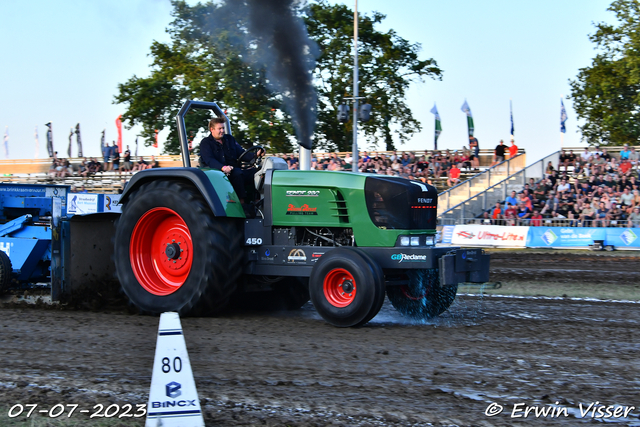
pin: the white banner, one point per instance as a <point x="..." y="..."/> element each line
<point x="489" y="235"/>
<point x="82" y="203"/>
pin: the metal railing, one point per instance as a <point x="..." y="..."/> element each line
<point x="497" y="185"/>
<point x="465" y="190"/>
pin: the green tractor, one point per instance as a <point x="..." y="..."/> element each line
<point x="341" y="239"/>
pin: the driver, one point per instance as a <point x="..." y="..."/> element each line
<point x="221" y="151"/>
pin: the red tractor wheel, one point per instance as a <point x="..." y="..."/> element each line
<point x="339" y="287"/>
<point x="172" y="254"/>
<point x="346" y="287"/>
<point x="161" y="251"/>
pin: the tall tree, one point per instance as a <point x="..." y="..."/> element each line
<point x="387" y="66"/>
<point x="201" y="62"/>
<point x="210" y="60"/>
<point x="607" y="93"/>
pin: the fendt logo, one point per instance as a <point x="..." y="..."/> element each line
<point x="408" y="257"/>
<point x="173" y="389"/>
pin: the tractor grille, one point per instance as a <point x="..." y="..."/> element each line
<point x="339" y="207"/>
<point x="400" y="204"/>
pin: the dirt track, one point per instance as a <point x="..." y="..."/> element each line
<point x="257" y="368"/>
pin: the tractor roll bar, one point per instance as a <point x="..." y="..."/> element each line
<point x="182" y="132"/>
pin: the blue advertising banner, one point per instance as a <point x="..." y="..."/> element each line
<point x="564" y="237"/>
<point x="623" y="237"/>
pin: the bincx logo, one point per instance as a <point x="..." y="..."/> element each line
<point x="173" y="403"/>
<point x="173" y="389"/>
<point x="6" y="248"/>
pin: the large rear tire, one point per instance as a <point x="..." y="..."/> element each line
<point x="172" y="254"/>
<point x="423" y="297"/>
<point x="5" y="272"/>
<point x="345" y="287"/>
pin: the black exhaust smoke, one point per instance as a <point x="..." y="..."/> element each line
<point x="288" y="55"/>
<point x="289" y="58"/>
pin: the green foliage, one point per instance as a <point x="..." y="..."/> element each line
<point x="387" y="64"/>
<point x="207" y="65"/>
<point x="607" y="93"/>
<point x="212" y="63"/>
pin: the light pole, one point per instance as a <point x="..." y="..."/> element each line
<point x="354" y="164"/>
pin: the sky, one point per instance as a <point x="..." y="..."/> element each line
<point x="62" y="61"/>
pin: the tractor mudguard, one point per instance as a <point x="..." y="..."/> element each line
<point x="220" y="197"/>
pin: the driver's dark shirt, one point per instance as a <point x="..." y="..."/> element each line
<point x="216" y="155"/>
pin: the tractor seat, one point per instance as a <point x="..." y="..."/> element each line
<point x="275" y="163"/>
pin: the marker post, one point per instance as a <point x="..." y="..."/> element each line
<point x="173" y="398"/>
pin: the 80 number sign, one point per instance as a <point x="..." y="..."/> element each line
<point x="167" y="365"/>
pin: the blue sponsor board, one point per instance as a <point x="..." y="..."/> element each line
<point x="558" y="237"/>
<point x="623" y="237"/>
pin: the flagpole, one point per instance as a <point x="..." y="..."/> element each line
<point x="435" y="131"/>
<point x="511" y="113"/>
<point x="6" y="142"/>
<point x="37" y="144"/>
<point x="563" y="118"/>
<point x="438" y="126"/>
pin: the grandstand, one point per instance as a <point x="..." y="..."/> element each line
<point x="37" y="171"/>
<point x="472" y="200"/>
<point x="592" y="188"/>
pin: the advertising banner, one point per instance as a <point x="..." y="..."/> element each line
<point x="110" y="203"/>
<point x="623" y="237"/>
<point x="564" y="237"/>
<point x="82" y="203"/>
<point x="447" y="233"/>
<point x="489" y="235"/>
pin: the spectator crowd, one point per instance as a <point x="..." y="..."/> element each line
<point x="590" y="189"/>
<point x="429" y="166"/>
<point x="62" y="168"/>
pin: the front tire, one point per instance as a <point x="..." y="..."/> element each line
<point x="422" y="297"/>
<point x="346" y="287"/>
<point x="172" y="254"/>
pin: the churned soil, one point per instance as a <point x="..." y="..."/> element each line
<point x="255" y="368"/>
